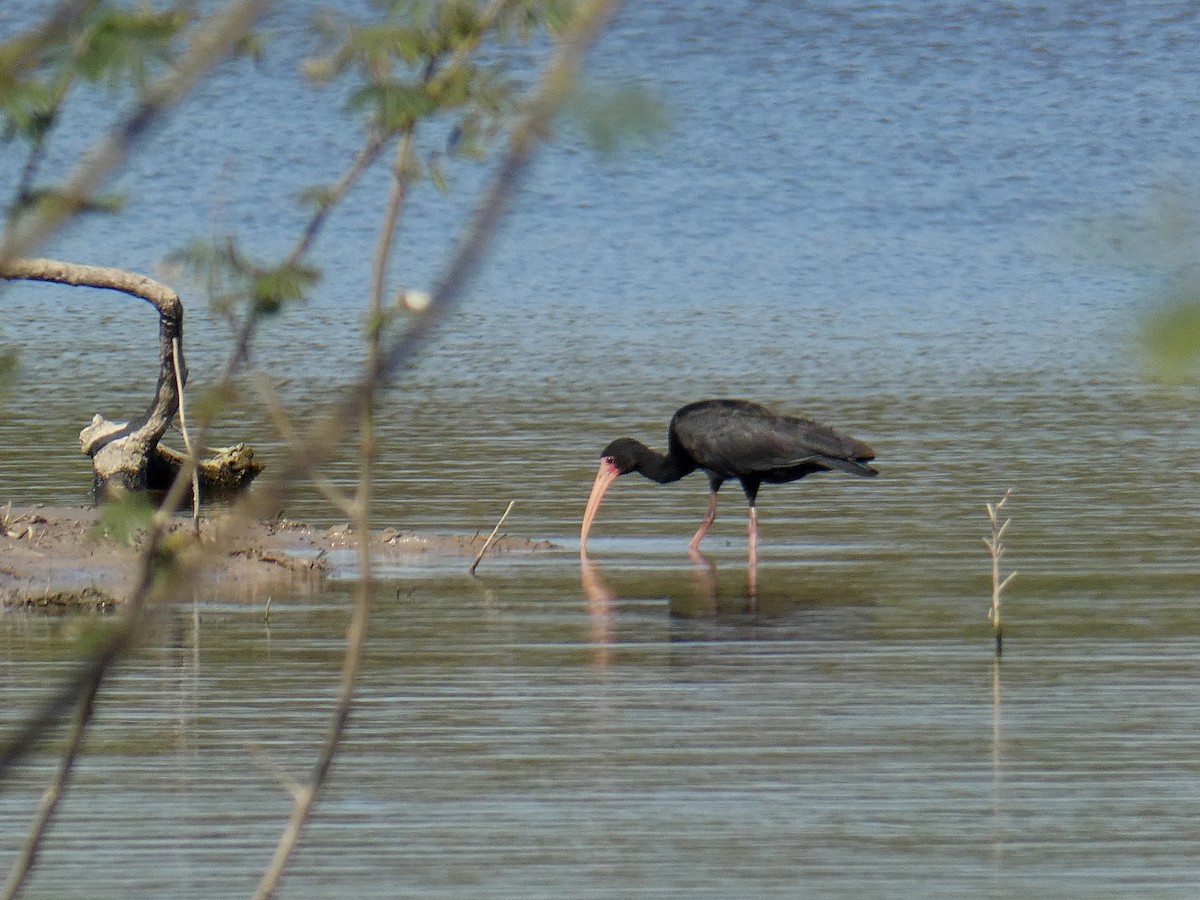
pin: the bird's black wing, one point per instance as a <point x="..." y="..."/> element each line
<point x="735" y="438"/>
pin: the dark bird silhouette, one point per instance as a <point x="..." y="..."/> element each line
<point x="730" y="439"/>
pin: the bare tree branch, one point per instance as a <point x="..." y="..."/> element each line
<point x="213" y="43"/>
<point x="170" y="314"/>
<point x="32" y="45"/>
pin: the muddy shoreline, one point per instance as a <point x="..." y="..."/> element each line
<point x="57" y="559"/>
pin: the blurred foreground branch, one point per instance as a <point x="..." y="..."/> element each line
<point x="383" y="364"/>
<point x="169" y="560"/>
<point x="212" y="43"/>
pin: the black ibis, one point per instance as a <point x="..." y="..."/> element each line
<point x="730" y="439"/>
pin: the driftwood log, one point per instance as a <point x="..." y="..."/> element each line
<point x="126" y="456"/>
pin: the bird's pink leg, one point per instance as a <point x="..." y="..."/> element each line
<point x="752" y="565"/>
<point x="707" y="521"/>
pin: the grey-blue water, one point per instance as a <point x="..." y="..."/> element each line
<point x="933" y="225"/>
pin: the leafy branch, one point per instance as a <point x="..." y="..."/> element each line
<point x="221" y="34"/>
<point x="415" y="78"/>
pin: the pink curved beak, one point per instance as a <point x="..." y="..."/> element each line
<point x="607" y="475"/>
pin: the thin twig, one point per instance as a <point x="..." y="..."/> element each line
<point x="356" y="633"/>
<point x="211" y="44"/>
<point x="269" y="398"/>
<point x="995" y="547"/>
<point x="386" y="360"/>
<point x="362" y="161"/>
<point x="187" y="440"/>
<point x="491" y="537"/>
<point x="155" y="574"/>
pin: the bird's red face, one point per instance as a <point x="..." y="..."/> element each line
<point x="610" y="469"/>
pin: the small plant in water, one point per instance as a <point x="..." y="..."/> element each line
<point x="995" y="546"/>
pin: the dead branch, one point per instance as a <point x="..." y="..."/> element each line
<point x="127" y="455"/>
<point x="491" y="537"/>
<point x="214" y="43"/>
<point x="120" y="452"/>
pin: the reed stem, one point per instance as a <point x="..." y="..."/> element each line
<point x="995" y="546"/>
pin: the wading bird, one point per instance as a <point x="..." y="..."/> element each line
<point x="730" y="439"/>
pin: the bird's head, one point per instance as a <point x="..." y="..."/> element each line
<point x="623" y="454"/>
<point x="620" y="457"/>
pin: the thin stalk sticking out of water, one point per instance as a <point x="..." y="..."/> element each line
<point x="193" y="459"/>
<point x="995" y="546"/>
<point x="491" y="537"/>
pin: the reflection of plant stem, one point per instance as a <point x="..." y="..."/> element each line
<point x="998" y="830"/>
<point x="995" y="546"/>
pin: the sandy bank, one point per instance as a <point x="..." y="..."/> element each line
<point x="58" y="559"/>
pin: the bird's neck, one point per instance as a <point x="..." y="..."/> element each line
<point x="664" y="467"/>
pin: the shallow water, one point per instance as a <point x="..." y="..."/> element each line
<point x="895" y="218"/>
<point x="513" y="738"/>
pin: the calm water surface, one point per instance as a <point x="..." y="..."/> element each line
<point x="898" y="218"/>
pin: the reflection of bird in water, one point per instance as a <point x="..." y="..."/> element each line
<point x="595" y="588"/>
<point x="730" y="439"/>
<point x="600" y="599"/>
<point x="797" y="605"/>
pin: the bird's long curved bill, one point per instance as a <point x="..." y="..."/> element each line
<point x="606" y="476"/>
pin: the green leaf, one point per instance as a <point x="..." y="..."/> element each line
<point x="119" y="44"/>
<point x="55" y="202"/>
<point x="29" y="111"/>
<point x="612" y="119"/>
<point x="468" y="137"/>
<point x="317" y="196"/>
<point x="453" y="87"/>
<point x="437" y="175"/>
<point x="1172" y="337"/>
<point x="213" y="402"/>
<point x="92" y="635"/>
<point x="124" y="520"/>
<point x="523" y="18"/>
<point x="393" y="105"/>
<point x="275" y="287"/>
<point x="457" y="22"/>
<point x="208" y="262"/>
<point x="232" y="279"/>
